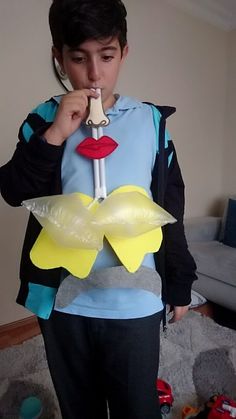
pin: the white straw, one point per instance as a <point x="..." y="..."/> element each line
<point x="96" y="168"/>
<point x="99" y="164"/>
<point x="102" y="169"/>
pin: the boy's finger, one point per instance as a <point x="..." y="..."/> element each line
<point x="88" y="92"/>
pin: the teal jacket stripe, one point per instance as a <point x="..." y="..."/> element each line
<point x="41" y="115"/>
<point x="47" y="110"/>
<point x="27" y="131"/>
<point x="40" y="300"/>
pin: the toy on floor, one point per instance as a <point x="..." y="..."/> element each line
<point x="166" y="398"/>
<point x="217" y="407"/>
<point x="189" y="412"/>
<point x="31" y="408"/>
<point x="221" y="407"/>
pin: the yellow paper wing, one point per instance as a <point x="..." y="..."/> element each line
<point x="132" y="250"/>
<point x="47" y="253"/>
<point x="129" y="219"/>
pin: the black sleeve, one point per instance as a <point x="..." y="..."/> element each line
<point x="30" y="172"/>
<point x="179" y="265"/>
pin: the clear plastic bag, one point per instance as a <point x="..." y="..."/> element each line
<point x="66" y="220"/>
<point x="70" y="223"/>
<point x="129" y="214"/>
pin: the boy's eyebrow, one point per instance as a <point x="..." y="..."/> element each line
<point x="102" y="49"/>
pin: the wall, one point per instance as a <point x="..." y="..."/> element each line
<point x="174" y="59"/>
<point x="26" y="79"/>
<point x="179" y="60"/>
<point x="229" y="139"/>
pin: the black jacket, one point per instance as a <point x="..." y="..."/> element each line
<point x="35" y="170"/>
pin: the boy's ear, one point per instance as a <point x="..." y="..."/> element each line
<point x="125" y="52"/>
<point x="58" y="55"/>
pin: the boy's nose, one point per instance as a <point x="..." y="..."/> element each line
<point x="93" y="72"/>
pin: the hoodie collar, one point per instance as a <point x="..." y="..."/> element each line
<point x="123" y="103"/>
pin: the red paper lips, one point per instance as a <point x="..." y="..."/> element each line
<point x="96" y="149"/>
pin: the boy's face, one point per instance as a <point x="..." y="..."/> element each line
<point x="93" y="64"/>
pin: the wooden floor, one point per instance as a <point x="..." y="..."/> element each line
<point x="219" y="314"/>
<point x="205" y="309"/>
<point x="19" y="331"/>
<point x="224" y="317"/>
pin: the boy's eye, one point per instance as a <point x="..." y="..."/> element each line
<point x="107" y="57"/>
<point x="78" y="59"/>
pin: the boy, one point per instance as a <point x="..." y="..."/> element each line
<point x="102" y="334"/>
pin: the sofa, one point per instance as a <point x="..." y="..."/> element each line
<point x="216" y="261"/>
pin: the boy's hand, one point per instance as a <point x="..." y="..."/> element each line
<point x="71" y="111"/>
<point x="178" y="313"/>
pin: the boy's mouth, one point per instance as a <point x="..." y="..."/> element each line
<point x="99" y="89"/>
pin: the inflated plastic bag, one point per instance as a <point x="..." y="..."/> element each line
<point x="75" y="224"/>
<point x="67" y="220"/>
<point x="130" y="214"/>
<point x="77" y="221"/>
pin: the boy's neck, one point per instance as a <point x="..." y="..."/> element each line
<point x="109" y="102"/>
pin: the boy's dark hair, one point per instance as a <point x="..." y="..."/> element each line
<point x="73" y="22"/>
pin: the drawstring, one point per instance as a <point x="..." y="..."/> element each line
<point x="164" y="320"/>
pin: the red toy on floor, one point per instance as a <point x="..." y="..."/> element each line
<point x="217" y="407"/>
<point x="222" y="407"/>
<point x="166" y="398"/>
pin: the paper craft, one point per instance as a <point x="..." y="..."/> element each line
<point x="128" y="219"/>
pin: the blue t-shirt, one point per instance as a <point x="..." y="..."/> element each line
<point x="132" y="127"/>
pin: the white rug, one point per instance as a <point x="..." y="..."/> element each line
<point x="198" y="359"/>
